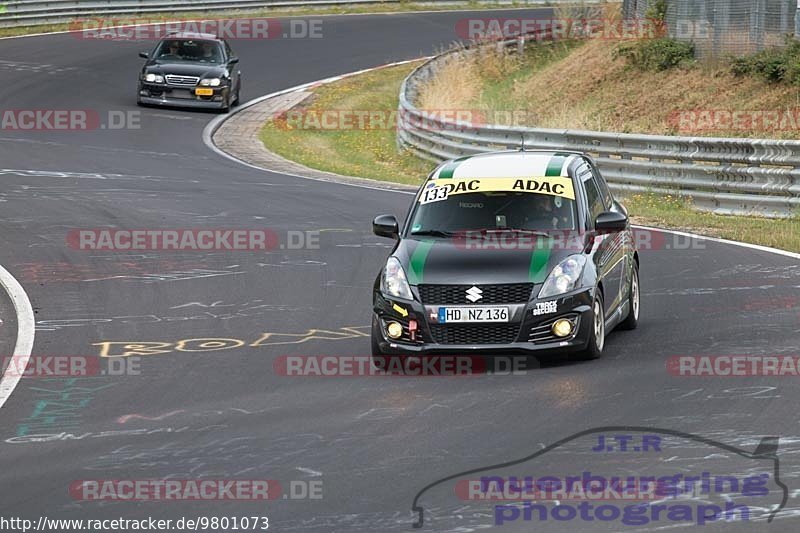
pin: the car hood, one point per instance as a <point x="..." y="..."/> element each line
<point x="186" y="69"/>
<point x="441" y="261"/>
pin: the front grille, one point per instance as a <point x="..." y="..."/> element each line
<point x="474" y="333"/>
<point x="542" y="333"/>
<point x="513" y="293"/>
<point x="186" y="81"/>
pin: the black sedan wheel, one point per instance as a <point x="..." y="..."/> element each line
<point x="597" y="336"/>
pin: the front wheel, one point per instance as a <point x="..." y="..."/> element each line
<point x="597" y="335"/>
<point x="634" y="302"/>
<point x="236" y="100"/>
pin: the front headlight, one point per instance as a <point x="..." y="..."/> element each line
<point x="564" y="277"/>
<point x="153" y="78"/>
<point x="393" y="280"/>
<point x="210" y="82"/>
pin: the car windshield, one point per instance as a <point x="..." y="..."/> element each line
<point x="493" y="211"/>
<point x="189" y="50"/>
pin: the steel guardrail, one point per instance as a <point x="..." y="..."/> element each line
<point x="15" y="13"/>
<point x="723" y="175"/>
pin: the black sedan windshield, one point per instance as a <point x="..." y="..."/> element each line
<point x="189" y="50"/>
<point x="494" y="211"/>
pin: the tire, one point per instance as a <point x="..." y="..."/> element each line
<point x="238" y="91"/>
<point x="376" y="349"/>
<point x="634" y="299"/>
<point x="226" y="106"/>
<point x="597" y="335"/>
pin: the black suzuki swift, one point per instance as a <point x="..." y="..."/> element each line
<point x="508" y="252"/>
<point x="190" y="70"/>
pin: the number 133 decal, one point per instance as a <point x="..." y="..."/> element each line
<point x="434" y="194"/>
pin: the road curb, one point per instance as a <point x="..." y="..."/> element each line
<point x="244" y="144"/>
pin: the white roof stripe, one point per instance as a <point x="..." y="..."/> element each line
<point x="505" y="165"/>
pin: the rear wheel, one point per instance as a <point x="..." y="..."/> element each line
<point x="634" y="300"/>
<point x="597" y="334"/>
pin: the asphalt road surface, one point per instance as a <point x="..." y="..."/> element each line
<point x="184" y="406"/>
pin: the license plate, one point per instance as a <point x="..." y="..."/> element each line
<point x="204" y="92"/>
<point x="473" y="314"/>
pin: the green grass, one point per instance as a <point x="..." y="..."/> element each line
<point x="676" y="213"/>
<point x="368" y="153"/>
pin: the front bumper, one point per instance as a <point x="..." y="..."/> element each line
<point x="526" y="333"/>
<point x="166" y="95"/>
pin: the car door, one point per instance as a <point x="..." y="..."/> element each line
<point x="233" y="68"/>
<point x="610" y="254"/>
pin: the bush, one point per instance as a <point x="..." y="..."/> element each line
<point x="775" y="65"/>
<point x="657" y="54"/>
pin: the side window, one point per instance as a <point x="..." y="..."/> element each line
<point x="593" y="197"/>
<point x="228" y="51"/>
<point x="605" y="193"/>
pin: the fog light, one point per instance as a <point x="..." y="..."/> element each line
<point x="394" y="330"/>
<point x="562" y="328"/>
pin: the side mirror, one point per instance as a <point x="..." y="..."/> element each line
<point x="610" y="222"/>
<point x="233" y="60"/>
<point x="385" y="226"/>
<point x="144" y="55"/>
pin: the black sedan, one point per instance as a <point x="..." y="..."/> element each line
<point x="190" y="70"/>
<point x="508" y="252"/>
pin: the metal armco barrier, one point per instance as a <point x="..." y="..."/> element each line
<point x="726" y="176"/>
<point x="32" y="12"/>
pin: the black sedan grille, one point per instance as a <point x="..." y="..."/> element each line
<point x="185" y="81"/>
<point x="474" y="333"/>
<point x="513" y="293"/>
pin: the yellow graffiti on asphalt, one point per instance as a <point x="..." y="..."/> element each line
<point x="211" y="344"/>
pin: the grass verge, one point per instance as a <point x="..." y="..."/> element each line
<point x="368" y="153"/>
<point x="373" y="154"/>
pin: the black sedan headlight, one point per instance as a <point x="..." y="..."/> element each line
<point x="153" y="78"/>
<point x="210" y="82"/>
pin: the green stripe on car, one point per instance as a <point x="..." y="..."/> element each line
<point x="539" y="260"/>
<point x="555" y="165"/>
<point x="449" y="169"/>
<point x="416" y="266"/>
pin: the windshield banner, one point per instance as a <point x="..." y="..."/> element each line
<point x="436" y="190"/>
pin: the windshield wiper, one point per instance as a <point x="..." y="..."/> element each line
<point x="433" y="233"/>
<point x="484" y="231"/>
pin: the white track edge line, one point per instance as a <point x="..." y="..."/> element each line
<point x="26" y="330"/>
